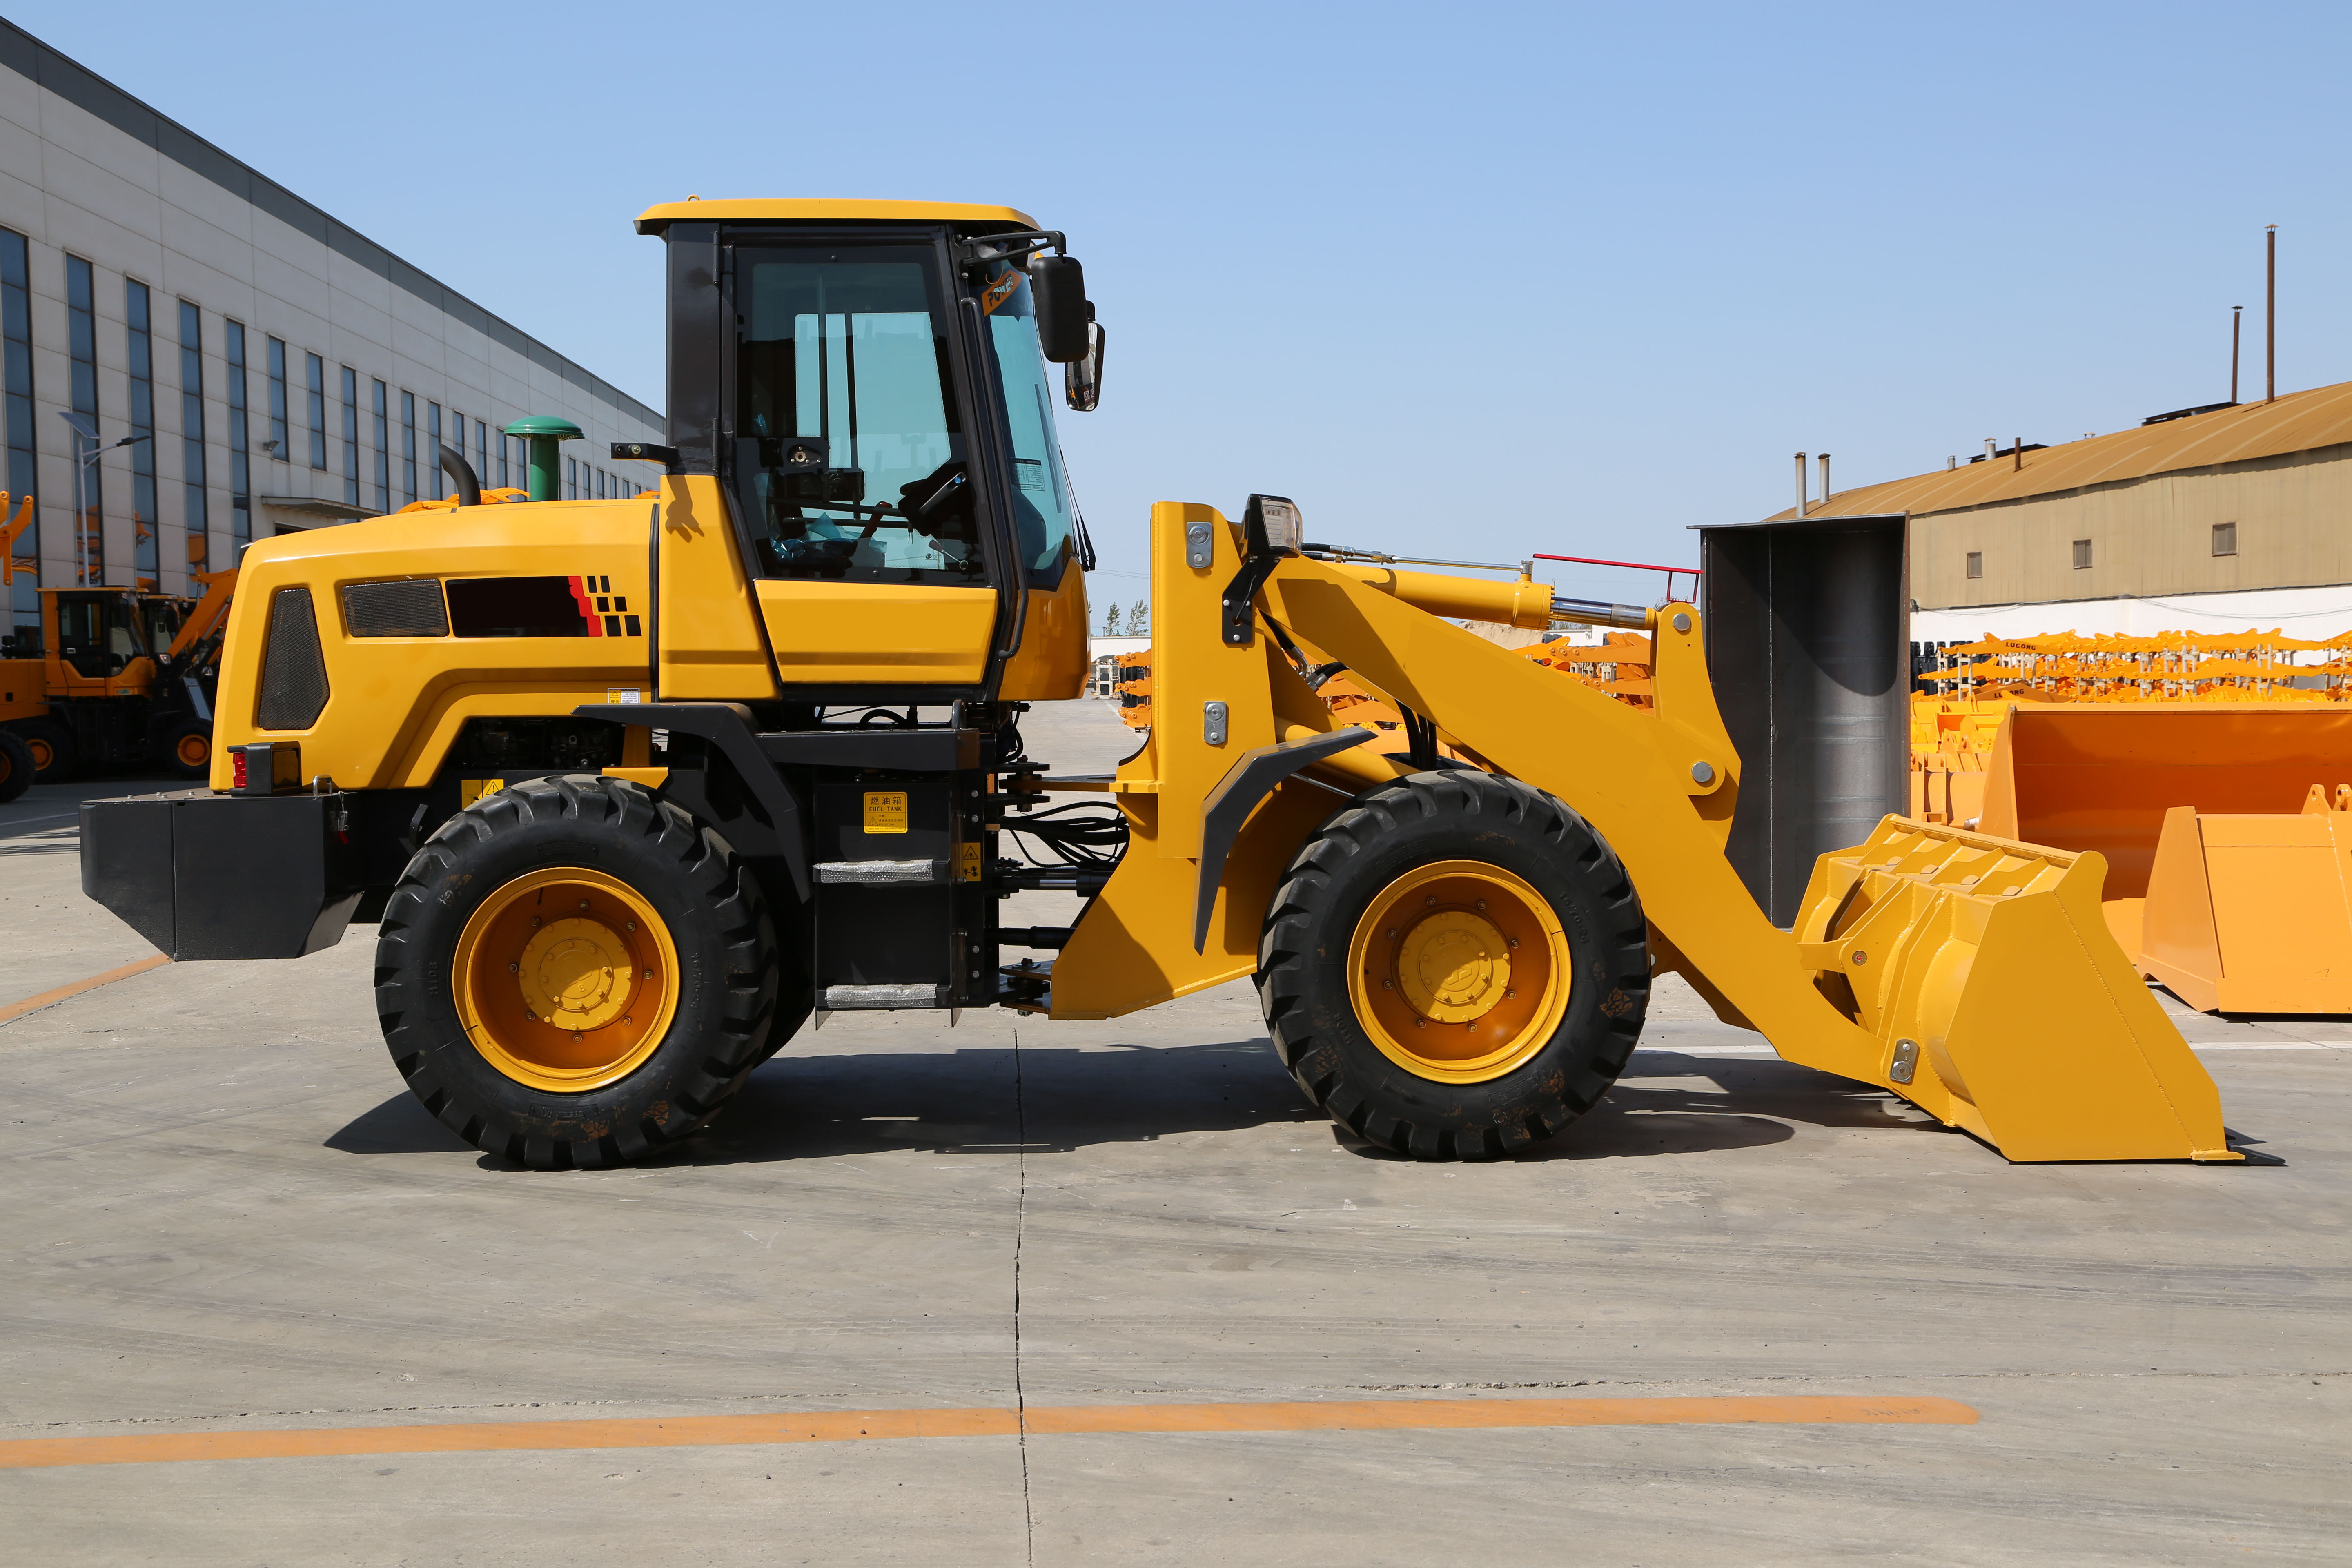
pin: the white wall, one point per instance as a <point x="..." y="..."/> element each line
<point x="71" y="180"/>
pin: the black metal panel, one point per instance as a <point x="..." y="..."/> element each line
<point x="206" y="876"/>
<point x="1807" y="630"/>
<point x="886" y="935"/>
<point x="909" y="749"/>
<point x="126" y="862"/>
<point x="697" y="328"/>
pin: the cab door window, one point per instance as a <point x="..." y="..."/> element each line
<point x="849" y="460"/>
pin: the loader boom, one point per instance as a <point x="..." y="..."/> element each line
<point x="2086" y="1066"/>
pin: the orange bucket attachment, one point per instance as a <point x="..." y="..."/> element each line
<point x="2253" y="913"/>
<point x="2001" y="1003"/>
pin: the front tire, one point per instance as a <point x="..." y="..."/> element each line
<point x="17" y="766"/>
<point x="187" y="749"/>
<point x="1455" y="967"/>
<point x="572" y="973"/>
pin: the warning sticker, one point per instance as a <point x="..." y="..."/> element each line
<point x="970" y="856"/>
<point x="886" y="811"/>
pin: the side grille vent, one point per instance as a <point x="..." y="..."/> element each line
<point x="293" y="672"/>
<point x="407" y="609"/>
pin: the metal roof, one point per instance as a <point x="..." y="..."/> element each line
<point x="806" y="210"/>
<point x="2297" y="421"/>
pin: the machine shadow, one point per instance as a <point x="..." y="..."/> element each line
<point x="964" y="1103"/>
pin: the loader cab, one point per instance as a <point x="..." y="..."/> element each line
<point x="866" y="383"/>
<point x="101" y="632"/>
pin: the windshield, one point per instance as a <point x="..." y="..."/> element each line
<point x="1041" y="490"/>
<point x="845" y="425"/>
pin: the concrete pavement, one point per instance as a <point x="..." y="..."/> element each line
<point x="226" y="1214"/>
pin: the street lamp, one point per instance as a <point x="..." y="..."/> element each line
<point x="85" y="428"/>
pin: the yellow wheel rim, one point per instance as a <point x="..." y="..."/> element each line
<point x="1459" y="972"/>
<point x="43" y="754"/>
<point x="566" y="980"/>
<point x="194" y="749"/>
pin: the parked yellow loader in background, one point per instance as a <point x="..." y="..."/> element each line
<point x="633" y="786"/>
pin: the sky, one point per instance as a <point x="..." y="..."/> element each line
<point x="1474" y="281"/>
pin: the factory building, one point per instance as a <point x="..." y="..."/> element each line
<point x="2238" y="513"/>
<point x="192" y="357"/>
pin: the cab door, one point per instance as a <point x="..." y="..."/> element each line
<point x="850" y="464"/>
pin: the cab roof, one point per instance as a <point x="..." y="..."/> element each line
<point x="694" y="209"/>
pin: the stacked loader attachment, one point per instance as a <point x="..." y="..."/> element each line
<point x="2002" y="1003"/>
<point x="2252" y="912"/>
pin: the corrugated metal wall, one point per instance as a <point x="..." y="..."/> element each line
<point x="2148" y="536"/>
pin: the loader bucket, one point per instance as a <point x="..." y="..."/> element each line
<point x="2253" y="913"/>
<point x="2000" y="1001"/>
<point x="2100" y="777"/>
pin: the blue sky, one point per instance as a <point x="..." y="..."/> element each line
<point x="1473" y="279"/>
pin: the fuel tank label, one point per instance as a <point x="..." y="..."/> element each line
<point x="886" y="811"/>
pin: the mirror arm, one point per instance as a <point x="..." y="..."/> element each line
<point x="977" y="254"/>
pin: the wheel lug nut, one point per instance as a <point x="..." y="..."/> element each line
<point x="514" y="969"/>
<point x="1431" y="899"/>
<point x="631" y="926"/>
<point x="575" y="1037"/>
<point x="583" y="903"/>
<point x="1482" y="903"/>
<point x="649" y="975"/>
<point x="534" y="920"/>
<point x="1513" y="941"/>
<point x="1388" y="984"/>
<point x="1393" y="933"/>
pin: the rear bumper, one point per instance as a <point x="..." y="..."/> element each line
<point x="218" y="876"/>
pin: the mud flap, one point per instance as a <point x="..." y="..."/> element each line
<point x="2001" y="1003"/>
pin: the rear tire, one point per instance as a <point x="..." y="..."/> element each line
<point x="645" y="911"/>
<point x="16" y="767"/>
<point x="1455" y="967"/>
<point x="53" y="749"/>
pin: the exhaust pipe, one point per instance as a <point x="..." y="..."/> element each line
<point x="1825" y="478"/>
<point x="1800" y="484"/>
<point x="461" y="473"/>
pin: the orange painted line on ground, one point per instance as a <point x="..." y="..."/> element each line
<point x="51" y="998"/>
<point x="854" y="1425"/>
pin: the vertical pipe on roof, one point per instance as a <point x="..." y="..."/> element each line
<point x="2237" y="319"/>
<point x="1800" y="484"/>
<point x="1825" y="478"/>
<point x="2017" y="451"/>
<point x="2269" y="325"/>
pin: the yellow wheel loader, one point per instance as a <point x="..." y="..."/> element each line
<point x="632" y="787"/>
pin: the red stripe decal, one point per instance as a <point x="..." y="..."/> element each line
<point x="580" y="595"/>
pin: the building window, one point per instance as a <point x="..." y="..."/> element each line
<point x="481" y="450"/>
<point x="318" y="412"/>
<point x="456" y="432"/>
<point x="139" y="309"/>
<point x="351" y="436"/>
<point x="281" y="442"/>
<point x="1976" y="565"/>
<point x="572" y="478"/>
<point x="2225" y="539"/>
<point x="380" y="406"/>
<point x="505" y="480"/>
<point x="240" y="462"/>
<point x="408" y="446"/>
<point x="2082" y="555"/>
<point x="192" y="435"/>
<point x="82" y="349"/>
<point x="17" y="388"/>
<point x="433" y="446"/>
<point x="599" y="475"/>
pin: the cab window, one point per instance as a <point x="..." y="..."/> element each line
<point x="849" y="460"/>
<point x="1042" y="508"/>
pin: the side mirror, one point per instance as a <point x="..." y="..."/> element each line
<point x="1057" y="287"/>
<point x="1082" y="378"/>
